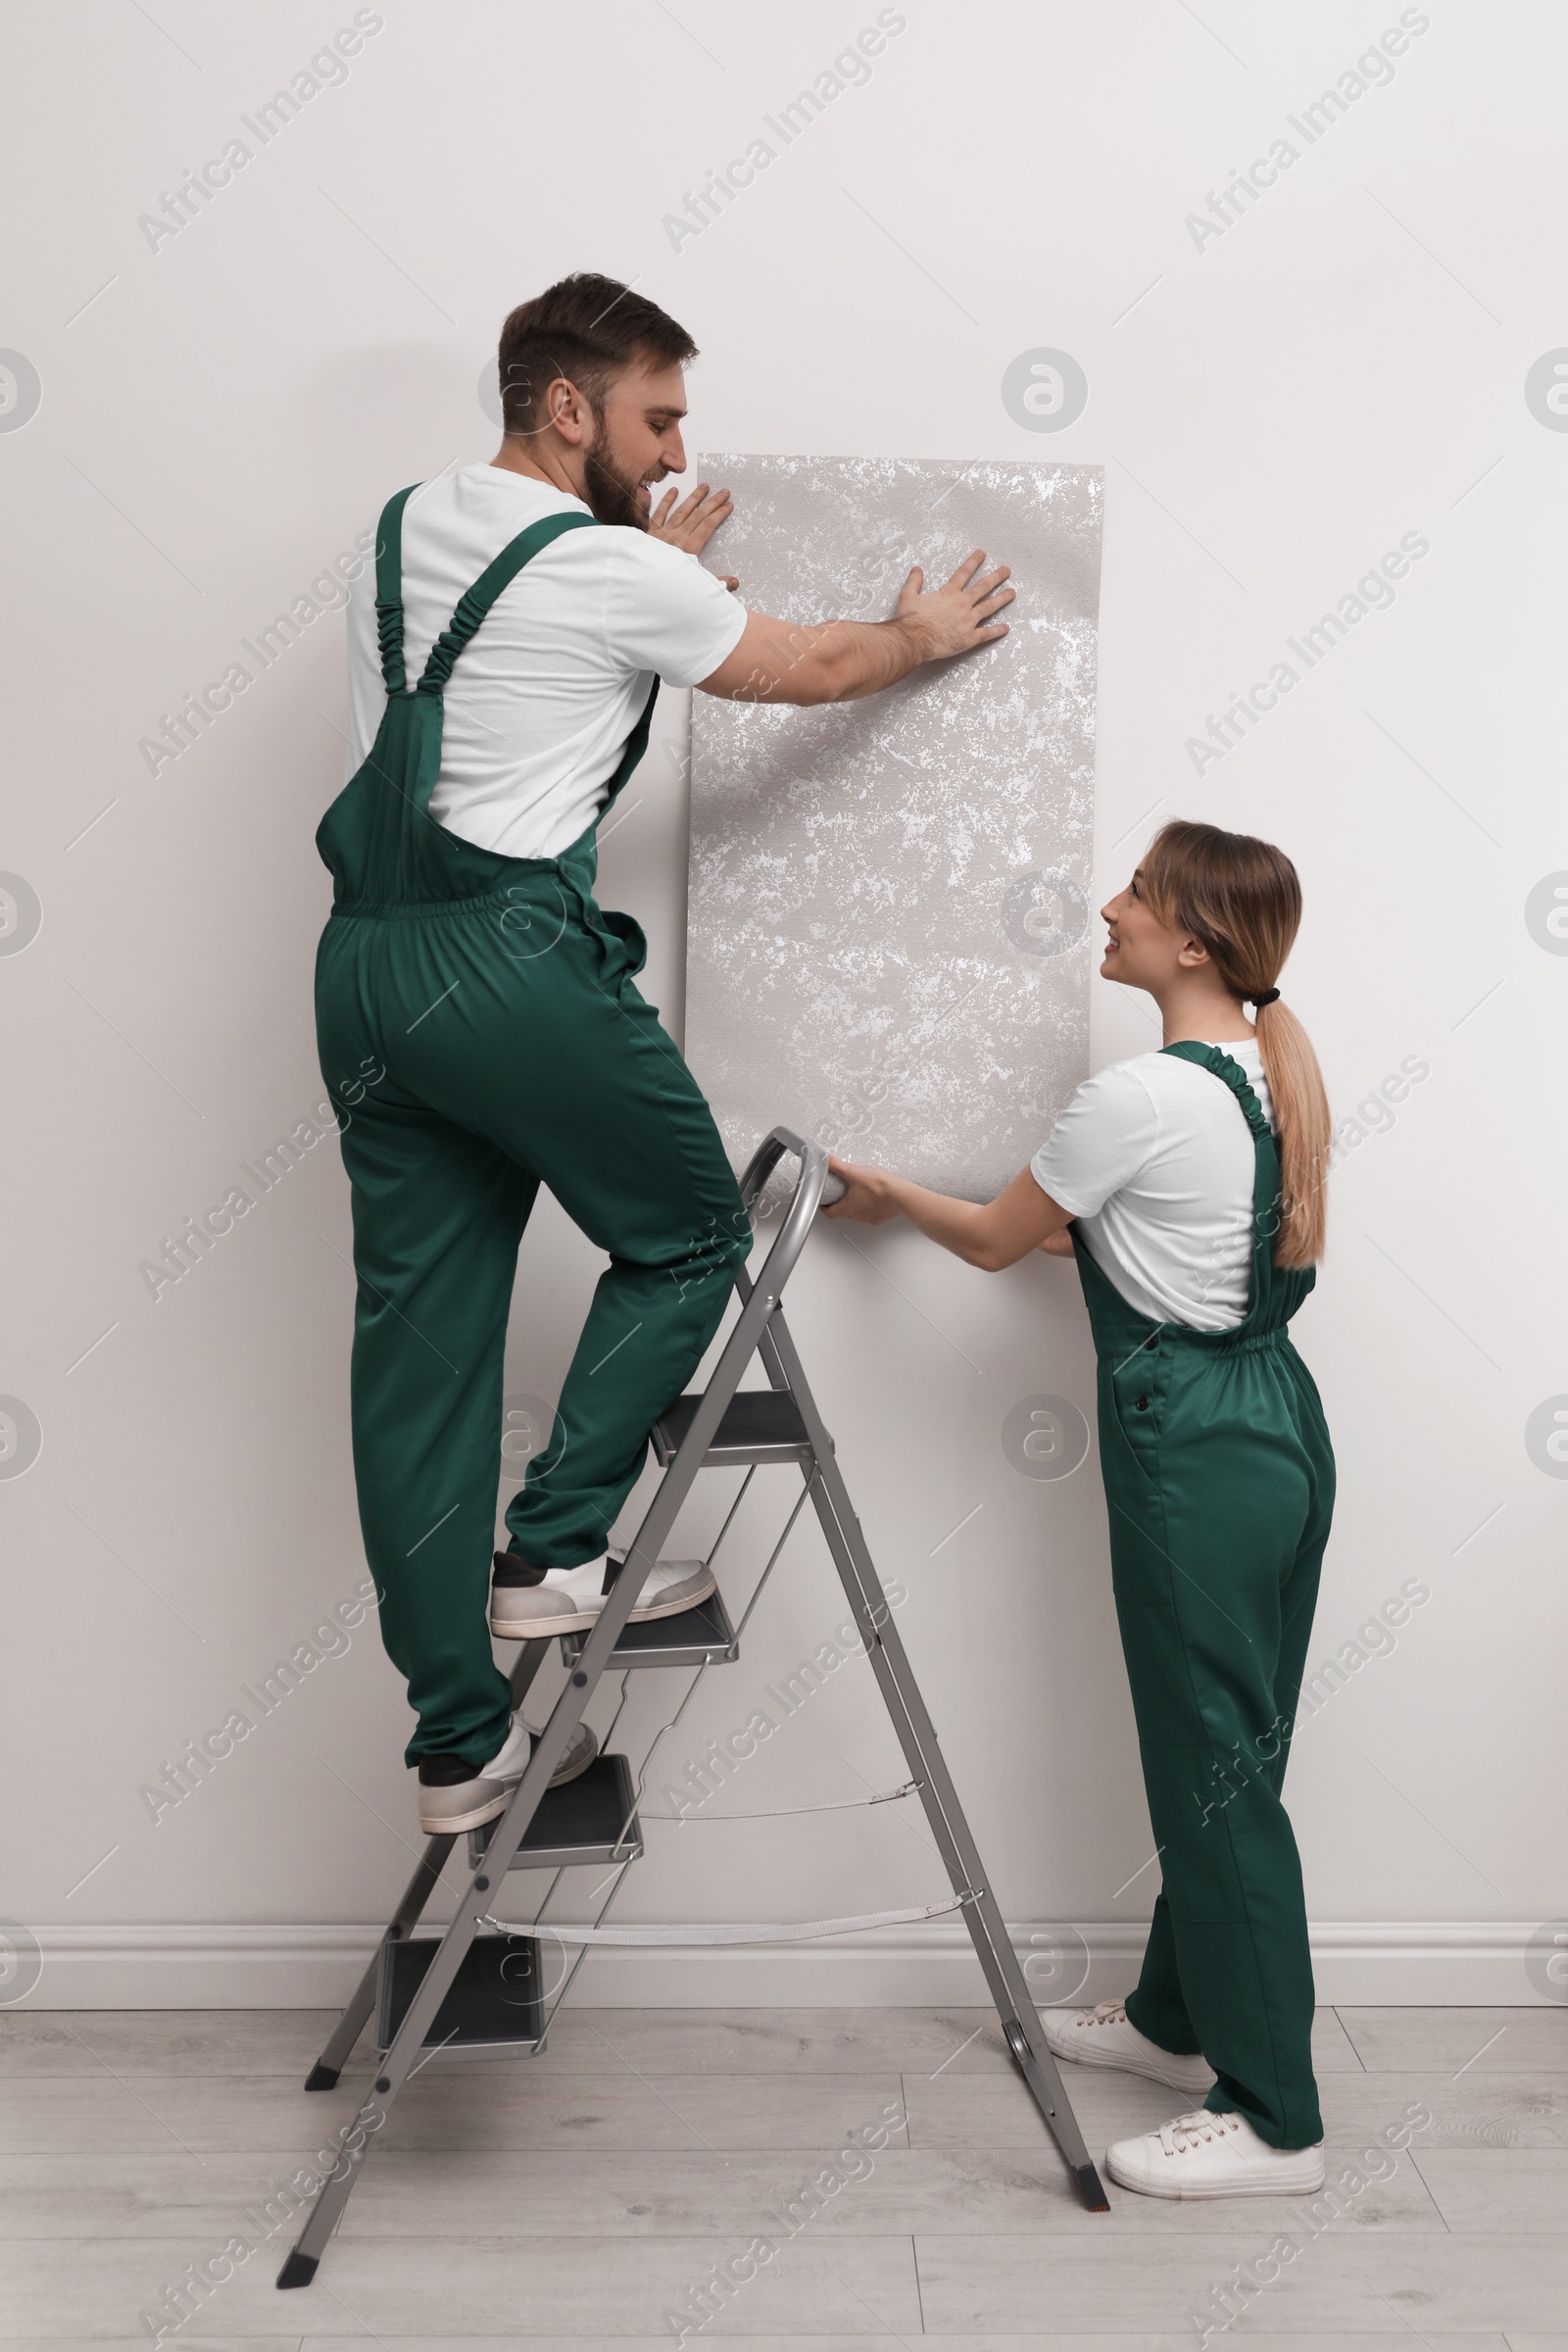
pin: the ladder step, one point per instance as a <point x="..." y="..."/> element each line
<point x="759" y="1425"/>
<point x="493" y="2002"/>
<point x="700" y="1637"/>
<point x="581" y="1821"/>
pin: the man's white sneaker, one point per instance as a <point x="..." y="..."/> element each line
<point x="1204" y="2155"/>
<point x="1106" y="2035"/>
<point x="454" y="1796"/>
<point x="525" y="1606"/>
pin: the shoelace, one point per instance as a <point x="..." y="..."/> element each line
<point x="1185" y="2133"/>
<point x="1104" y="2013"/>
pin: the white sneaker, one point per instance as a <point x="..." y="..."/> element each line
<point x="567" y="1600"/>
<point x="1106" y="2035"/>
<point x="1204" y="2155"/>
<point x="454" y="1796"/>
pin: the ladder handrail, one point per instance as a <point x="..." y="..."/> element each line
<point x="810" y="1187"/>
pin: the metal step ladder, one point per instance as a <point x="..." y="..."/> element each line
<point x="592" y="1817"/>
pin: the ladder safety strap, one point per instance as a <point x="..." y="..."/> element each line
<point x="789" y="1931"/>
<point x="847" y="1805"/>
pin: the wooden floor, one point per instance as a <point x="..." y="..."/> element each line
<point x="581" y="2198"/>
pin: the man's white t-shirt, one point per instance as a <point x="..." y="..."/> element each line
<point x="543" y="697"/>
<point x="1155" y="1161"/>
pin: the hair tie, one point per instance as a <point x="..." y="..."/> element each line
<point x="1269" y="996"/>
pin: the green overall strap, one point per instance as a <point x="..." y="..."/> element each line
<point x="1215" y="1058"/>
<point x="475" y="601"/>
<point x="389" y="589"/>
<point x="1276" y="1291"/>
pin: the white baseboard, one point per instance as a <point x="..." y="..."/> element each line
<point x="1365" y="1963"/>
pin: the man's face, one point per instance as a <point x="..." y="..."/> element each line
<point x="636" y="441"/>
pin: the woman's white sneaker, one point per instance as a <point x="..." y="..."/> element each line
<point x="525" y="1606"/>
<point x="1106" y="2035"/>
<point x="1204" y="2155"/>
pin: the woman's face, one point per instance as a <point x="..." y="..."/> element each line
<point x="1140" y="951"/>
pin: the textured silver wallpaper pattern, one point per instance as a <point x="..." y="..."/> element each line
<point x="888" y="927"/>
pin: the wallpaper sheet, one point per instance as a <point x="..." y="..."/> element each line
<point x="888" y="926"/>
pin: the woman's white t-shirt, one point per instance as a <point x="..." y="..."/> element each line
<point x="1155" y="1159"/>
<point x="542" y="699"/>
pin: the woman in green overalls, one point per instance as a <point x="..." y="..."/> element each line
<point x="1189" y="1185"/>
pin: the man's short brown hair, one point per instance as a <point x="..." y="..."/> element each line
<point x="589" y="329"/>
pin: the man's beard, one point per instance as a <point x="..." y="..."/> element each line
<point x="610" y="496"/>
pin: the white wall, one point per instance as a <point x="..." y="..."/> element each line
<point x="221" y="417"/>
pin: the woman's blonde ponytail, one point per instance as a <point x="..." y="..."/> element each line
<point x="1303" y="1125"/>
<point x="1242" y="898"/>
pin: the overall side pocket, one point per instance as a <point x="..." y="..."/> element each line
<point x="1135" y="1391"/>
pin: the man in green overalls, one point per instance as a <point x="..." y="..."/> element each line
<point x="477" y="1011"/>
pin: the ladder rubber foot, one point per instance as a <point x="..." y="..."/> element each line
<point x="321" y="2077"/>
<point x="299" y="2270"/>
<point x="1089" y="2189"/>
